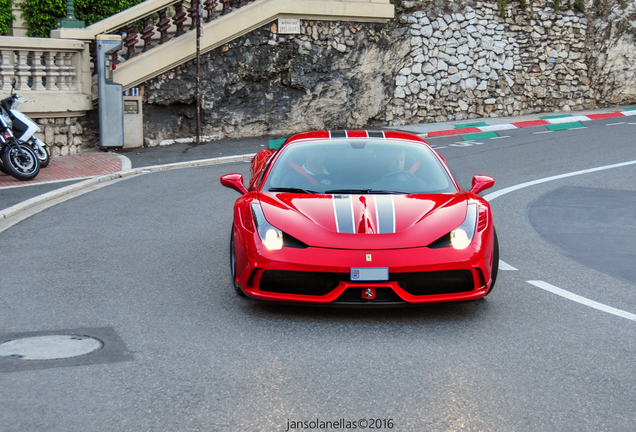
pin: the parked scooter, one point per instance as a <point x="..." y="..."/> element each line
<point x="18" y="159"/>
<point x="24" y="128"/>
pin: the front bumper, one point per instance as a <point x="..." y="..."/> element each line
<point x="253" y="260"/>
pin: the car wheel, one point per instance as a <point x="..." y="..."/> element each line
<point x="495" y="262"/>
<point x="238" y="289"/>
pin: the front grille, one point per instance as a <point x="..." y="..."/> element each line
<point x="319" y="283"/>
<point x="437" y="282"/>
<point x="299" y="282"/>
<point x="382" y="295"/>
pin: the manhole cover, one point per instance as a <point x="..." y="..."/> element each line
<point x="49" y="347"/>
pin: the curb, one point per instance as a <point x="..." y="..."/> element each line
<point x="555" y="120"/>
<point x="40" y="199"/>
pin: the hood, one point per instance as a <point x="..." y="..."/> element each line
<point x="365" y="221"/>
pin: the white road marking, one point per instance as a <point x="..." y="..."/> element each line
<point x="505" y="266"/>
<point x="542" y="132"/>
<point x="500" y="127"/>
<point x="438" y="147"/>
<point x="614" y="124"/>
<point x="504" y="191"/>
<point x="500" y="137"/>
<point x="493" y="195"/>
<point x="632" y="123"/>
<point x="464" y="144"/>
<point x="582" y="300"/>
<point x="572" y="119"/>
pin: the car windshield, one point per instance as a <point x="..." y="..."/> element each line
<point x="358" y="166"/>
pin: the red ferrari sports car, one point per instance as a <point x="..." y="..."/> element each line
<point x="360" y="217"/>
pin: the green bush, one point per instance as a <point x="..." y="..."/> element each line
<point x="6" y="17"/>
<point x="42" y="16"/>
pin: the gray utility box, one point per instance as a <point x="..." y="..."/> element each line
<point x="111" y="107"/>
<point x="133" y="122"/>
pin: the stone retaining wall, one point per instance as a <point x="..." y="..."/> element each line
<point x="333" y="74"/>
<point x="436" y="61"/>
<point x="475" y="63"/>
<point x="63" y="135"/>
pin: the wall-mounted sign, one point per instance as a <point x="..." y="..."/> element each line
<point x="288" y="26"/>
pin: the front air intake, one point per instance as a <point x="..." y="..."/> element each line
<point x="299" y="282"/>
<point x="436" y="282"/>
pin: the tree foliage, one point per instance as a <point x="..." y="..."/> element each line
<point x="42" y="16"/>
<point x="6" y="16"/>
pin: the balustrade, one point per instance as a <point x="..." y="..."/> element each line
<point x="37" y="70"/>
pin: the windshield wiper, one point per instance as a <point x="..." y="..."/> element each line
<point x="363" y="191"/>
<point x="291" y="190"/>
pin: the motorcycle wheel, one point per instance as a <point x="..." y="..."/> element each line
<point x="42" y="152"/>
<point x="23" y="166"/>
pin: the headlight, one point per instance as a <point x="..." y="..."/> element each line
<point x="271" y="236"/>
<point x="462" y="236"/>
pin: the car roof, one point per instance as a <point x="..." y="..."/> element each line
<point x="353" y="133"/>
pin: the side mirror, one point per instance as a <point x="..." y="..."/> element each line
<point x="481" y="183"/>
<point x="234" y="181"/>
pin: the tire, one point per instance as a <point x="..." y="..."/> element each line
<point x="237" y="288"/>
<point x="25" y="166"/>
<point x="41" y="151"/>
<point x="495" y="263"/>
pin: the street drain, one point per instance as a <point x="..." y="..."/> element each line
<point x="53" y="347"/>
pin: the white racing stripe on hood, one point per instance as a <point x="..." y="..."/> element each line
<point x="343" y="212"/>
<point x="385" y="213"/>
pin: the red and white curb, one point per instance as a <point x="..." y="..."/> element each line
<point x="530" y="123"/>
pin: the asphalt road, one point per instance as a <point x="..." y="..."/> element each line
<point x="147" y="260"/>
<point x="149" y="156"/>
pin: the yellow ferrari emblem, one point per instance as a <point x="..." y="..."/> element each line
<point x="368" y="257"/>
